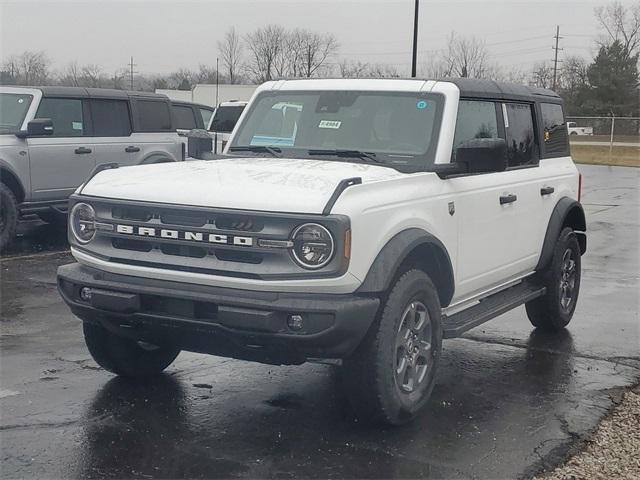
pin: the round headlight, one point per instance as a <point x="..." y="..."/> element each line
<point x="83" y="222"/>
<point x="313" y="245"/>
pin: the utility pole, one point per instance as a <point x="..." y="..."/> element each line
<point x="415" y="41"/>
<point x="217" y="82"/>
<point x="555" y="60"/>
<point x="131" y="72"/>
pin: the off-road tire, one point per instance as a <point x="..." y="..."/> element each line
<point x="8" y="216"/>
<point x="370" y="373"/>
<point x="551" y="312"/>
<point x="124" y="356"/>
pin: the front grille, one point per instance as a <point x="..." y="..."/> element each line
<point x="204" y="240"/>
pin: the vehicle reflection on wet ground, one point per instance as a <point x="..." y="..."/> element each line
<point x="509" y="400"/>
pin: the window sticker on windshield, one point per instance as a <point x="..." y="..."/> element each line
<point x="421" y="105"/>
<point x="76" y="125"/>
<point x="329" y="124"/>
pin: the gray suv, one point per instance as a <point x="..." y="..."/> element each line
<point x="52" y="138"/>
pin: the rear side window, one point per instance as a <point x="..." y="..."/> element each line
<point x="110" y="118"/>
<point x="555" y="130"/>
<point x="520" y="134"/>
<point x="153" y="116"/>
<point x="66" y="115"/>
<point x="184" y="117"/>
<point x="225" y="119"/>
<point x="476" y="119"/>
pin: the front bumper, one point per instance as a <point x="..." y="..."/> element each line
<point x="245" y="324"/>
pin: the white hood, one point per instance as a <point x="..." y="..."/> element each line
<point x="268" y="184"/>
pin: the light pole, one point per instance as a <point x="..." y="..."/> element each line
<point x="415" y="41"/>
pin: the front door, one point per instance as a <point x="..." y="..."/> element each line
<point x="496" y="209"/>
<point x="60" y="162"/>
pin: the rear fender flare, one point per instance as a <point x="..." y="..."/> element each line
<point x="567" y="213"/>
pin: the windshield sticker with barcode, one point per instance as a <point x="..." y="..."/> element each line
<point x="329" y="124"/>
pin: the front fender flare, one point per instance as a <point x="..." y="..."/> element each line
<point x="434" y="256"/>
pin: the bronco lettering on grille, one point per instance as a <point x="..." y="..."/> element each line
<point x="185" y="235"/>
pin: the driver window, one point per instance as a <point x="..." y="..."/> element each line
<point x="476" y="119"/>
<point x="66" y="115"/>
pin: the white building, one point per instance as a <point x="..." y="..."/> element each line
<point x="206" y="94"/>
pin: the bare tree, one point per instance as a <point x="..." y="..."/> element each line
<point x="266" y="47"/>
<point x="207" y="74"/>
<point x="465" y="57"/>
<point x="620" y="24"/>
<point x="70" y="76"/>
<point x="29" y="68"/>
<point x="182" y="79"/>
<point x="350" y="69"/>
<point x="542" y="75"/>
<point x="574" y="73"/>
<point x="309" y="51"/>
<point x="230" y="50"/>
<point x="92" y="76"/>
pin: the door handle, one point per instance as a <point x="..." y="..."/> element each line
<point x="132" y="149"/>
<point x="82" y="150"/>
<point x="510" y="198"/>
<point x="547" y="191"/>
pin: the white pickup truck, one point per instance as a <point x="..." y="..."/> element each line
<point x="364" y="222"/>
<point x="573" y="129"/>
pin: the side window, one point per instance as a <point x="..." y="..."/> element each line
<point x="184" y="118"/>
<point x="66" y="115"/>
<point x="153" y="116"/>
<point x="206" y="116"/>
<point x="522" y="148"/>
<point x="110" y="118"/>
<point x="555" y="130"/>
<point x="476" y="119"/>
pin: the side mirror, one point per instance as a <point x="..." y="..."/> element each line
<point x="37" y="127"/>
<point x="482" y="155"/>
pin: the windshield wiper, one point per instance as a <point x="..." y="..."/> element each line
<point x="275" y="151"/>
<point x="370" y="156"/>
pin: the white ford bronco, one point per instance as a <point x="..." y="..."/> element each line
<point x="359" y="220"/>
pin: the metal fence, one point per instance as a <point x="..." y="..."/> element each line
<point x="610" y="130"/>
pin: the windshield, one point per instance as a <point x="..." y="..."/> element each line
<point x="225" y="118"/>
<point x="13" y="108"/>
<point x="395" y="128"/>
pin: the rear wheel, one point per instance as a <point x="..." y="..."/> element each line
<point x="554" y="310"/>
<point x="391" y="375"/>
<point x="8" y="216"/>
<point x="124" y="356"/>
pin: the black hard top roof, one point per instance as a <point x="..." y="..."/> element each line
<point x="185" y="102"/>
<point x="480" y="88"/>
<point x="472" y="87"/>
<point x="57" y="91"/>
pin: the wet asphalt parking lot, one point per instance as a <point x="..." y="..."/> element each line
<point x="509" y="400"/>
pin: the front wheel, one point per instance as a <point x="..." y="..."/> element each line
<point x="390" y="376"/>
<point x="553" y="311"/>
<point x="124" y="356"/>
<point x="8" y="216"/>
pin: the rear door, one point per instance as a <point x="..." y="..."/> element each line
<point x="59" y="163"/>
<point x="493" y="240"/>
<point x="153" y="130"/>
<point x="112" y="130"/>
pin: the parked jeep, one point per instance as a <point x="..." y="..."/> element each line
<point x="51" y="139"/>
<point x="367" y="223"/>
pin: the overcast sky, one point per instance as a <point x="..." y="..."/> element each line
<point x="166" y="35"/>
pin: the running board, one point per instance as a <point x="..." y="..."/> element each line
<point x="490" y="307"/>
